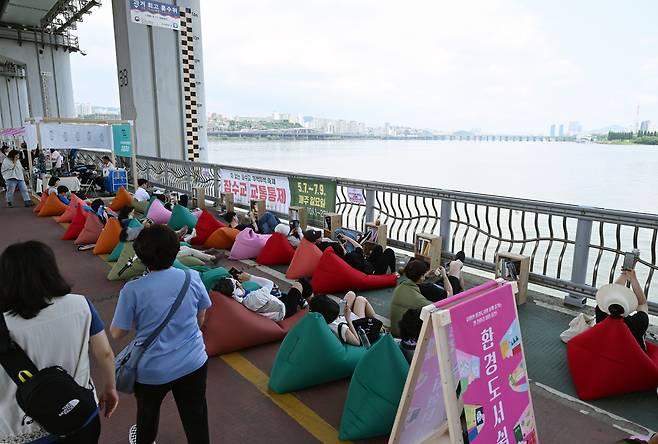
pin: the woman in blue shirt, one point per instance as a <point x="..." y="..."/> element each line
<point x="176" y="361"/>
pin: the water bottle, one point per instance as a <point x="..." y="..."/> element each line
<point x="363" y="337"/>
<point x="341" y="308"/>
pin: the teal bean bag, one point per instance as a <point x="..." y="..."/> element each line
<point x="375" y="392"/>
<point x="210" y="277"/>
<point x="114" y="256"/>
<point x="311" y="354"/>
<point x="181" y="216"/>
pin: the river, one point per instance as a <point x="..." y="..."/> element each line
<point x="608" y="176"/>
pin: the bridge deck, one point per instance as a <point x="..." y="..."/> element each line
<point x="242" y="410"/>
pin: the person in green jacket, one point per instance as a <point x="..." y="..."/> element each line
<point x="407" y="295"/>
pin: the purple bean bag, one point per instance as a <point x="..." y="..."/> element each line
<point x="248" y="244"/>
<point x="158" y="213"/>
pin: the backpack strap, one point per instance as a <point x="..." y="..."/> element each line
<point x="13" y="359"/>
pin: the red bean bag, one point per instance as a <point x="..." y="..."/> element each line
<point x="277" y="251"/>
<point x="231" y="327"/>
<point x="334" y="275"/>
<point x="248" y="245"/>
<point x="52" y="207"/>
<point x="606" y="360"/>
<point x="109" y="237"/>
<point x="306" y="259"/>
<point x="205" y="226"/>
<point x="123" y="198"/>
<point x="90" y="232"/>
<point x="77" y="224"/>
<point x="71" y="210"/>
<point x="42" y="201"/>
<point x="222" y="238"/>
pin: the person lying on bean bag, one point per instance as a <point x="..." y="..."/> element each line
<point x="294" y="236"/>
<point x="379" y="261"/>
<point x="263" y="225"/>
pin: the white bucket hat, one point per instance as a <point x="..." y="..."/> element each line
<point x="618" y="294"/>
<point x="282" y="229"/>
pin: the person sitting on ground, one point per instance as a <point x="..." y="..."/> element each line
<point x="407" y="294"/>
<point x="14" y="175"/>
<point x="141" y="195"/>
<point x="355" y="308"/>
<point x="63" y="194"/>
<point x="36" y="305"/>
<point x="260" y="301"/>
<point x="106" y="168"/>
<point x="294" y="236"/>
<point x="410" y="326"/>
<point x="53" y="183"/>
<point x="619" y="302"/>
<point x="265" y="225"/>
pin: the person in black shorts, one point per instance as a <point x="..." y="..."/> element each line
<point x="618" y="301"/>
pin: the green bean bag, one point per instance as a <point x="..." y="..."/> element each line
<point x="114" y="256"/>
<point x="181" y="216"/>
<point x="375" y="392"/>
<point x="311" y="354"/>
<point x="141" y="207"/>
<point x="190" y="261"/>
<point x="137" y="268"/>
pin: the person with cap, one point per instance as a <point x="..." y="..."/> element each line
<point x="618" y="301"/>
<point x="294" y="236"/>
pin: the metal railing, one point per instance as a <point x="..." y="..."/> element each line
<point x="571" y="248"/>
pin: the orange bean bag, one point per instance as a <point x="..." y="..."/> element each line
<point x="606" y="360"/>
<point x="122" y="198"/>
<point x="71" y="210"/>
<point x="52" y="207"/>
<point x="334" y="275"/>
<point x="77" y="224"/>
<point x="230" y="327"/>
<point x="222" y="238"/>
<point x="90" y="232"/>
<point x="109" y="237"/>
<point x="205" y="226"/>
<point x="42" y="201"/>
<point x="277" y="251"/>
<point x="304" y="261"/>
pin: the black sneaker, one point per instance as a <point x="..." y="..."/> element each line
<point x="10" y="205"/>
<point x="29" y="204"/>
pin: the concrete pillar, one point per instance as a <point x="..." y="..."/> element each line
<point x="160" y="75"/>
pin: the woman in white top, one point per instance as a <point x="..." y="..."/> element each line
<point x="356" y="307"/>
<point x="14" y="175"/>
<point x="55" y="328"/>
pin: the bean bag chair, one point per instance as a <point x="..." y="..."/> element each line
<point x="158" y="213"/>
<point x="141" y="207"/>
<point x="90" y="232"/>
<point x="248" y="244"/>
<point x="375" y="392"/>
<point x="190" y="261"/>
<point x="77" y="224"/>
<point x="70" y="210"/>
<point x="52" y="207"/>
<point x="42" y="201"/>
<point x="311" y="354"/>
<point x="122" y="199"/>
<point x="205" y="226"/>
<point x="277" y="251"/>
<point x="137" y="268"/>
<point x="181" y="216"/>
<point x="210" y="277"/>
<point x="114" y="256"/>
<point x="223" y="238"/>
<point x="606" y="360"/>
<point x="334" y="275"/>
<point x="109" y="237"/>
<point x="306" y="259"/>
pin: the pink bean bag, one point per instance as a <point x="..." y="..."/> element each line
<point x="306" y="259"/>
<point x="205" y="226"/>
<point x="158" y="213"/>
<point x="248" y="244"/>
<point x="606" y="360"/>
<point x="334" y="275"/>
<point x="77" y="224"/>
<point x="71" y="210"/>
<point x="91" y="231"/>
<point x="277" y="251"/>
<point x="230" y="327"/>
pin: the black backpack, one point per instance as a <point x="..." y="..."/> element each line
<point x="51" y="397"/>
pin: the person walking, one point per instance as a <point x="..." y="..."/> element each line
<point x="14" y="176"/>
<point x="176" y="361"/>
<point x="55" y="328"/>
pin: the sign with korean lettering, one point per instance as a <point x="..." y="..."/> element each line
<point x="245" y="186"/>
<point x="162" y="15"/>
<point x="318" y="196"/>
<point x="121" y="140"/>
<point x="492" y="373"/>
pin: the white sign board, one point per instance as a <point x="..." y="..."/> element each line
<point x="274" y="190"/>
<point x="70" y="135"/>
<point x="162" y="15"/>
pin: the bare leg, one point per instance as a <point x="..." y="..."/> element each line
<point x="349" y="298"/>
<point x="362" y="308"/>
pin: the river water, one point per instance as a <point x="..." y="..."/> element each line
<point x="608" y="176"/>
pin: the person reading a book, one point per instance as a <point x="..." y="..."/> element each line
<point x="343" y="325"/>
<point x="263" y="225"/>
<point x="379" y="261"/>
<point x="293" y="233"/>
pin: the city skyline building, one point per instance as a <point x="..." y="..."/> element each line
<point x="553" y="130"/>
<point x="561" y="133"/>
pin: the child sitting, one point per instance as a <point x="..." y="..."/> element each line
<point x="64" y="194"/>
<point x="356" y="309"/>
<point x="53" y="183"/>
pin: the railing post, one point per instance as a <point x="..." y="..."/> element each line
<point x="580" y="260"/>
<point x="446" y="215"/>
<point x="216" y="183"/>
<point x="370" y="206"/>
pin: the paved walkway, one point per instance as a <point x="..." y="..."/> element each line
<point x="241" y="409"/>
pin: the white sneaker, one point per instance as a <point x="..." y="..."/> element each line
<point x="132" y="435"/>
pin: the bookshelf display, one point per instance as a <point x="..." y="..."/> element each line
<point x="428" y="249"/>
<point x="378" y="233"/>
<point x="332" y="221"/>
<point x="226" y="202"/>
<point x="299" y="214"/>
<point x="199" y="197"/>
<point x="514" y="267"/>
<point x="257" y="206"/>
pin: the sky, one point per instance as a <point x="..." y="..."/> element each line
<point x="510" y="66"/>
